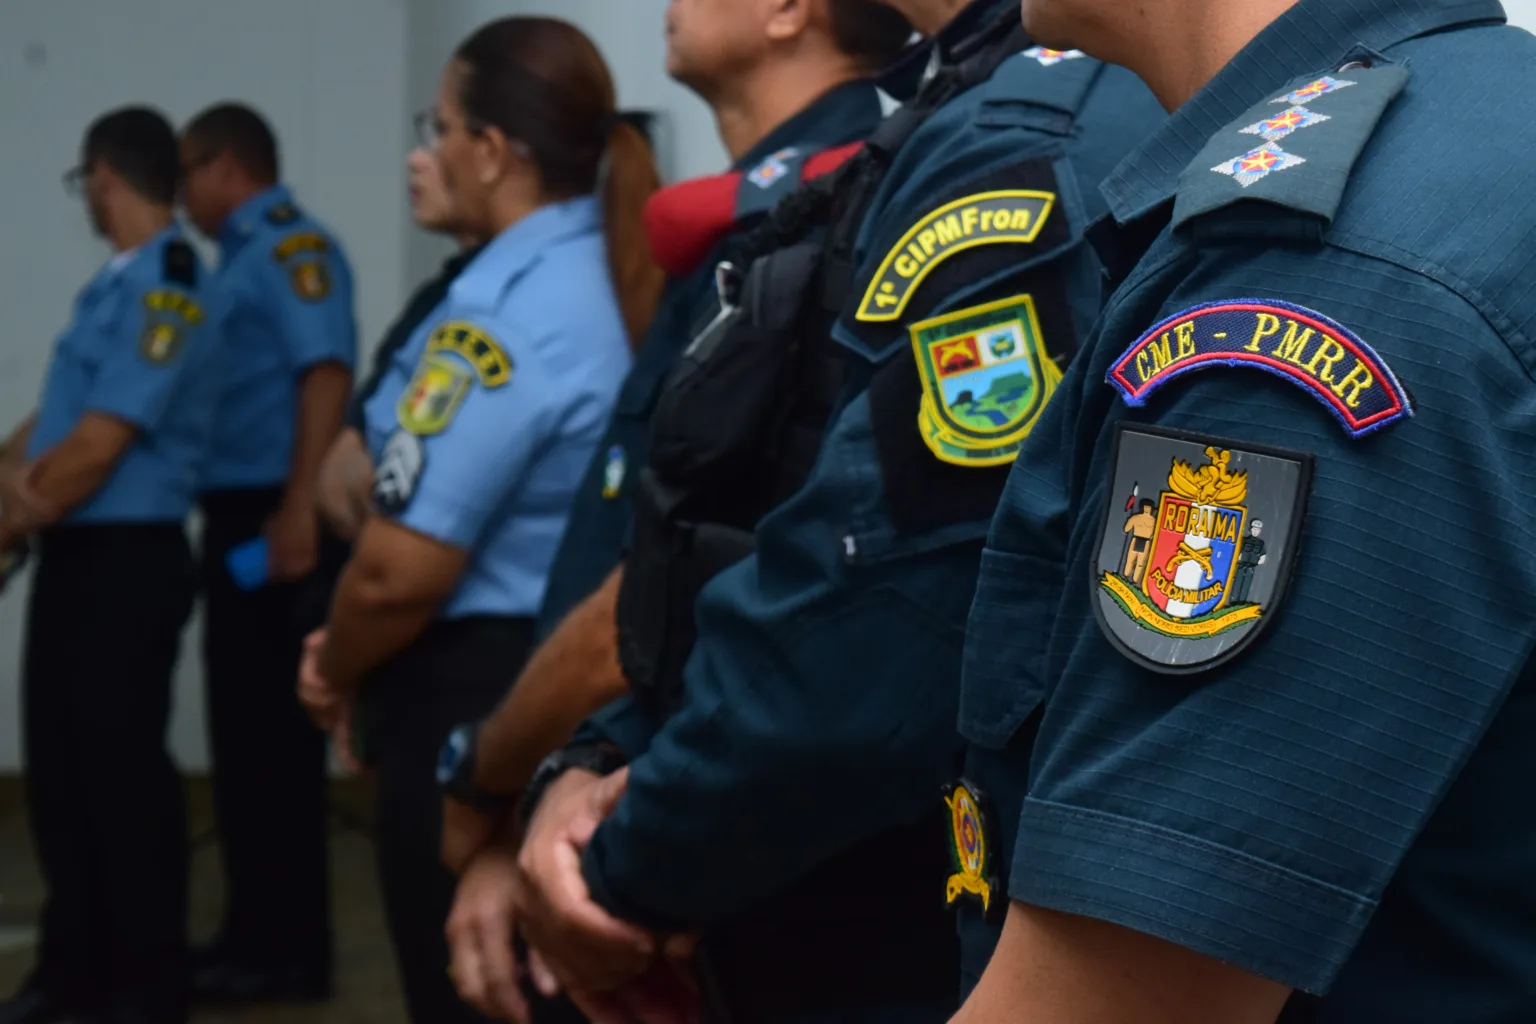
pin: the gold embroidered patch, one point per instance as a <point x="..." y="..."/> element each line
<point x="968" y="847"/>
<point x="986" y="378"/>
<point x="987" y="218"/>
<point x="311" y="280"/>
<point x="294" y="244"/>
<point x="475" y="347"/>
<point x="432" y="398"/>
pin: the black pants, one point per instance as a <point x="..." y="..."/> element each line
<point x="455" y="673"/>
<point x="269" y="761"/>
<point x="108" y="809"/>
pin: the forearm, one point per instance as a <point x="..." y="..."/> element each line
<point x="775" y="712"/>
<point x="365" y="631"/>
<point x="74" y="469"/>
<point x="322" y="408"/>
<point x="572" y="674"/>
<point x="15" y="447"/>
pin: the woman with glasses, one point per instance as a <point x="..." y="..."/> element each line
<point x="480" y="432"/>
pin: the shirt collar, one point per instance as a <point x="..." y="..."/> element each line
<point x="826" y="120"/>
<point x="242" y="221"/>
<point x="120" y="261"/>
<point x="515" y="249"/>
<point x="911" y="70"/>
<point x="1314" y="35"/>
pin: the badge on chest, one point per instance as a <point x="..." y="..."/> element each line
<point x="1197" y="546"/>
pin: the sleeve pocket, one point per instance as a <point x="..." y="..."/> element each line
<point x="1003" y="675"/>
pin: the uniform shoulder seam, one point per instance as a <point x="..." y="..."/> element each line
<point x="1498" y="321"/>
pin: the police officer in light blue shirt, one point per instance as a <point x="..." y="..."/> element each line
<point x="283" y="299"/>
<point x="103" y="476"/>
<point x="481" y="432"/>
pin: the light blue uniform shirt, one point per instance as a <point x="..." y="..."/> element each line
<point x="284" y="299"/>
<point x="486" y="419"/>
<point x="137" y="349"/>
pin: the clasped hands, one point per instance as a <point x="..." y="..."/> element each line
<point x="614" y="971"/>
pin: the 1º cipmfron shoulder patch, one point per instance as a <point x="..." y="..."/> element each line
<point x="987" y="218"/>
<point x="1322" y="357"/>
<point x="1198" y="542"/>
<point x="986" y="378"/>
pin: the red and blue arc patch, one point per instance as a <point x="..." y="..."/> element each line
<point x="1317" y="354"/>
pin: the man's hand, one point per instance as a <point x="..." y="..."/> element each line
<point x="466" y="831"/>
<point x="21" y="509"/>
<point x="582" y="947"/>
<point x="480" y="934"/>
<point x="324" y="704"/>
<point x="345" y="490"/>
<point x="293" y="541"/>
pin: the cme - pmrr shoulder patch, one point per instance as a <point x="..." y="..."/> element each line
<point x="1192" y="569"/>
<point x="167" y="315"/>
<point x="985" y="218"/>
<point x="986" y="378"/>
<point x="1321" y="356"/>
<point x="458" y="354"/>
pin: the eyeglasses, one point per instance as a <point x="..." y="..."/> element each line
<point x="74" y="180"/>
<point x="431" y="130"/>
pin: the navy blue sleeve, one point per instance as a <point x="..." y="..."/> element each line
<point x="801" y="732"/>
<point x="1256" y="811"/>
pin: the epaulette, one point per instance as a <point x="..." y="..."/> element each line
<point x="179" y="264"/>
<point x="1294" y="150"/>
<point x="684" y="222"/>
<point x="282" y="215"/>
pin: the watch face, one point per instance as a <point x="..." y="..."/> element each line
<point x="452" y="755"/>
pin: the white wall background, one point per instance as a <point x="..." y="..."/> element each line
<point x="339" y="79"/>
<point x="327" y="73"/>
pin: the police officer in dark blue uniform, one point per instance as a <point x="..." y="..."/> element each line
<point x="288" y="341"/>
<point x="793" y="782"/>
<point x="104" y="474"/>
<point x="1307" y="796"/>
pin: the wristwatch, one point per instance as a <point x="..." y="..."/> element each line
<point x="456" y="772"/>
<point x="599" y="758"/>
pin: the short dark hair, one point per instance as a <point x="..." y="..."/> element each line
<point x="236" y="129"/>
<point x="870" y="31"/>
<point x="140" y="145"/>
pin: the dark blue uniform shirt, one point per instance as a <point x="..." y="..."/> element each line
<point x="598" y="532"/>
<point x="819" y="699"/>
<point x="1325" y="778"/>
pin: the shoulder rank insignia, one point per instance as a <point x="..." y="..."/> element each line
<point x="969" y="851"/>
<point x="282" y="214"/>
<point x="986" y="378"/>
<point x="167" y="315"/>
<point x="1322" y="357"/>
<point x="458" y="354"/>
<point x="1325" y="124"/>
<point x="987" y="218"/>
<point x="1187" y="579"/>
<point x="1050" y="58"/>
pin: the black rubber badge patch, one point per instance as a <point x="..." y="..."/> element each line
<point x="1199" y="538"/>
